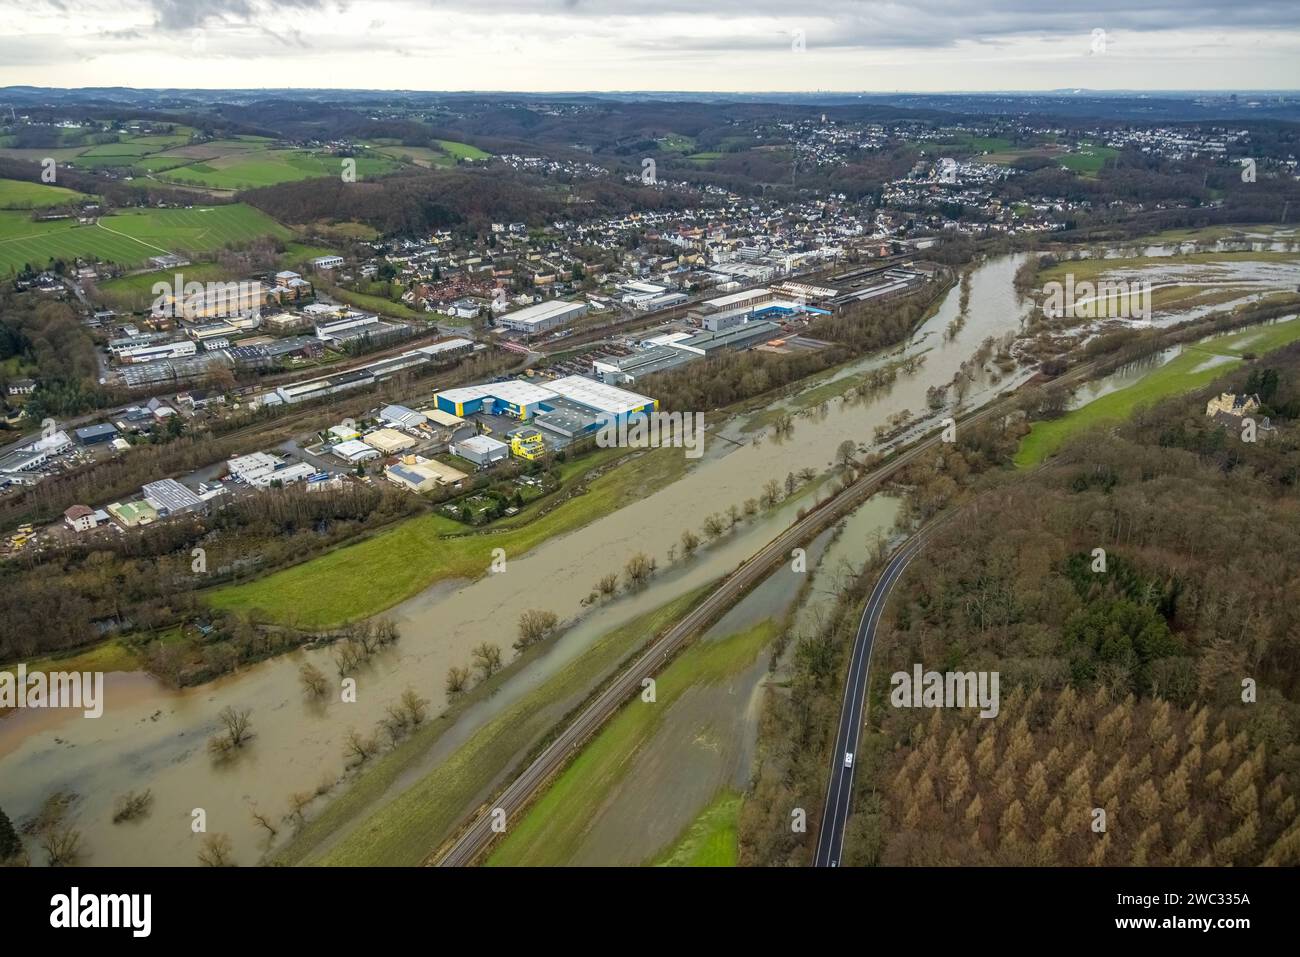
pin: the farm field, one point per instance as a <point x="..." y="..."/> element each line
<point x="1191" y="369"/>
<point x="18" y="194"/>
<point x="1088" y="159"/>
<point x="260" y="167"/>
<point x="712" y="840"/>
<point x="462" y="150"/>
<point x="552" y="831"/>
<point x="131" y="237"/>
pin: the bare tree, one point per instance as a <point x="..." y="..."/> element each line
<point x="298" y="802"/>
<point x="845" y="452"/>
<point x="313" y="680"/>
<point x="416" y="708"/>
<point x="358" y="746"/>
<point x="713" y="526"/>
<point x="215" y="851"/>
<point x="638" y="569"/>
<point x="62" y="845"/>
<point x="536" y="625"/>
<point x="771" y="493"/>
<point x="487" y="659"/>
<point x="237" y="732"/>
<point x="264" y="822"/>
<point x="608" y="584"/>
<point x="690" y="542"/>
<point x="457" y="679"/>
<point x="132" y="805"/>
<point x="238" y="726"/>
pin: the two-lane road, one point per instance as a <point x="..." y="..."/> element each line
<point x="839" y="792"/>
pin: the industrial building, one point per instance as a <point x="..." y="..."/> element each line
<point x="617" y="371"/>
<point x="354" y="451"/>
<point x="420" y="474"/>
<point x="543" y="316"/>
<point x="402" y="417"/>
<point x="94" y="434"/>
<point x="163" y="350"/>
<point x="389" y="441"/>
<point x="132" y="514"/>
<point x="567" y="407"/>
<point x="737" y="337"/>
<point x="260" y="469"/>
<point x="170" y="497"/>
<point x="482" y="450"/>
<point x="527" y="443"/>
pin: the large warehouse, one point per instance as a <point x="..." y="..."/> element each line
<point x="596" y="402"/>
<point x="543" y="316"/>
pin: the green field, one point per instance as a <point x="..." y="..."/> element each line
<point x="1088" y="159"/>
<point x="365" y="578"/>
<point x="704" y="159"/>
<point x="249" y="170"/>
<point x="18" y="194"/>
<point x="676" y="143"/>
<point x="462" y="150"/>
<point x="404" y="830"/>
<point x="552" y="830"/>
<point x="136" y="291"/>
<point x="378" y="304"/>
<point x="712" y="840"/>
<point x="130" y="237"/>
<point x="1172" y="378"/>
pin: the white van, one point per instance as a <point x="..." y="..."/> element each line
<point x="848" y="759"/>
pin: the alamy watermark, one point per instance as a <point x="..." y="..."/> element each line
<point x="654" y="430"/>
<point x="54" y="689"/>
<point x="132" y="912"/>
<point x="1105" y="299"/>
<point x="952" y="689"/>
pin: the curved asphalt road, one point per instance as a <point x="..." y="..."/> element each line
<point x="839" y="792"/>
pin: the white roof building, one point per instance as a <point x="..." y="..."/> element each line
<point x="354" y="450"/>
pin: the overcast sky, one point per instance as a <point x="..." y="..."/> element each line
<point x="733" y="45"/>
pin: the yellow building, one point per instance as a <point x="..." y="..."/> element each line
<point x="527" y="444"/>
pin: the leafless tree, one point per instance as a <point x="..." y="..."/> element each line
<point x="638" y="569"/>
<point x="487" y="659"/>
<point x="215" y="851"/>
<point x="457" y="679"/>
<point x="264" y="822"/>
<point x="358" y="746"/>
<point x="536" y="625"/>
<point x="416" y="708"/>
<point x="62" y="845"/>
<point x="298" y="802"/>
<point x="132" y="805"/>
<point x="313" y="680"/>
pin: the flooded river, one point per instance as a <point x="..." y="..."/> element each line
<point x="151" y="736"/>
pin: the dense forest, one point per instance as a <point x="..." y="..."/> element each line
<point x="1162" y="690"/>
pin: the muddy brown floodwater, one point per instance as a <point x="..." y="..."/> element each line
<point x="154" y="737"/>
